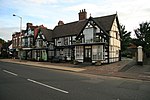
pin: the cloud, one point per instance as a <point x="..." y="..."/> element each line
<point x="39" y="1"/>
<point x="6" y="33"/>
<point x="49" y="12"/>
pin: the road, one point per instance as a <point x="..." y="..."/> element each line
<point x="22" y="82"/>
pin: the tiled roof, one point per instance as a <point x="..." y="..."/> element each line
<point x="47" y="33"/>
<point x="33" y="27"/>
<point x="74" y="28"/>
<point x="36" y="30"/>
<point x="105" y="21"/>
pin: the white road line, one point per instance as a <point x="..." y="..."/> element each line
<point x="60" y="90"/>
<point x="10" y="72"/>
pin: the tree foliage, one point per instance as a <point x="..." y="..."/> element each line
<point x="126" y="38"/>
<point x="143" y="36"/>
<point x="2" y="41"/>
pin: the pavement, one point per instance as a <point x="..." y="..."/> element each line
<point x="58" y="66"/>
<point x="132" y="71"/>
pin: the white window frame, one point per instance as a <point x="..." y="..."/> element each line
<point x="97" y="52"/>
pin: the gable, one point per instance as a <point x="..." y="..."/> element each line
<point x="115" y="29"/>
<point x="47" y="34"/>
<point x="43" y="33"/>
<point x="115" y="26"/>
<point x="92" y="28"/>
<point x="105" y="21"/>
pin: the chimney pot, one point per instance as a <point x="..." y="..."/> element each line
<point x="82" y="14"/>
<point x="60" y="23"/>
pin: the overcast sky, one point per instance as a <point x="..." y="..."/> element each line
<point x="48" y="12"/>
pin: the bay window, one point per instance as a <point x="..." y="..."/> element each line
<point x="97" y="52"/>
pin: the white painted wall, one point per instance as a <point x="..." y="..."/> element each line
<point x="115" y="43"/>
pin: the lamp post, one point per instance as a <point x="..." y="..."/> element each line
<point x="20" y="21"/>
<point x="20" y="30"/>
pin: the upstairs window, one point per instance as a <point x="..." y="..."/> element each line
<point x="66" y="39"/>
<point x="73" y="39"/>
<point x="88" y="34"/>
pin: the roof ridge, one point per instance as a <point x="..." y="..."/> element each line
<point x="71" y="22"/>
<point x="105" y="16"/>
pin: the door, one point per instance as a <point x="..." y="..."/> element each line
<point x="87" y="54"/>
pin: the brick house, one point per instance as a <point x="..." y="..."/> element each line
<point x="17" y="43"/>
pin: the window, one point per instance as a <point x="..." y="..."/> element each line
<point x="67" y="52"/>
<point x="31" y="41"/>
<point x="40" y="42"/>
<point x="60" y="42"/>
<point x="69" y="40"/>
<point x="57" y="52"/>
<point x="97" y="38"/>
<point x="50" y="53"/>
<point x="79" y="52"/>
<point x="88" y="34"/>
<point x="26" y="42"/>
<point x="97" y="52"/>
<point x="19" y="41"/>
<point x="51" y="46"/>
<point x="73" y="39"/>
<point x="66" y="41"/>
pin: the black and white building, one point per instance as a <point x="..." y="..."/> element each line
<point x="89" y="39"/>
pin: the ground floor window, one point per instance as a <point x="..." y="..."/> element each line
<point x="50" y="53"/>
<point x="23" y="54"/>
<point x="67" y="52"/>
<point x="41" y="55"/>
<point x="97" y="52"/>
<point x="44" y="55"/>
<point x="79" y="52"/>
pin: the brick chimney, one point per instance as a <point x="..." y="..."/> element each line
<point x="82" y="14"/>
<point x="60" y="23"/>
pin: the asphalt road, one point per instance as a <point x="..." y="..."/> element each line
<point x="22" y="82"/>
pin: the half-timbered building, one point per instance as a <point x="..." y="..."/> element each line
<point x="89" y="39"/>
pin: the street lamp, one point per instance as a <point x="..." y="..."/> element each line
<point x="20" y="21"/>
<point x="20" y="29"/>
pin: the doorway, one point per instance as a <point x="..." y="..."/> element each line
<point x="87" y="54"/>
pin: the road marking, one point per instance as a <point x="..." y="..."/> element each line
<point x="47" y="86"/>
<point x="10" y="72"/>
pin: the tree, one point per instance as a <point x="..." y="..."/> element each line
<point x="2" y="41"/>
<point x="126" y="38"/>
<point x="143" y="36"/>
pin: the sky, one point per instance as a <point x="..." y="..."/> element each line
<point x="48" y="12"/>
